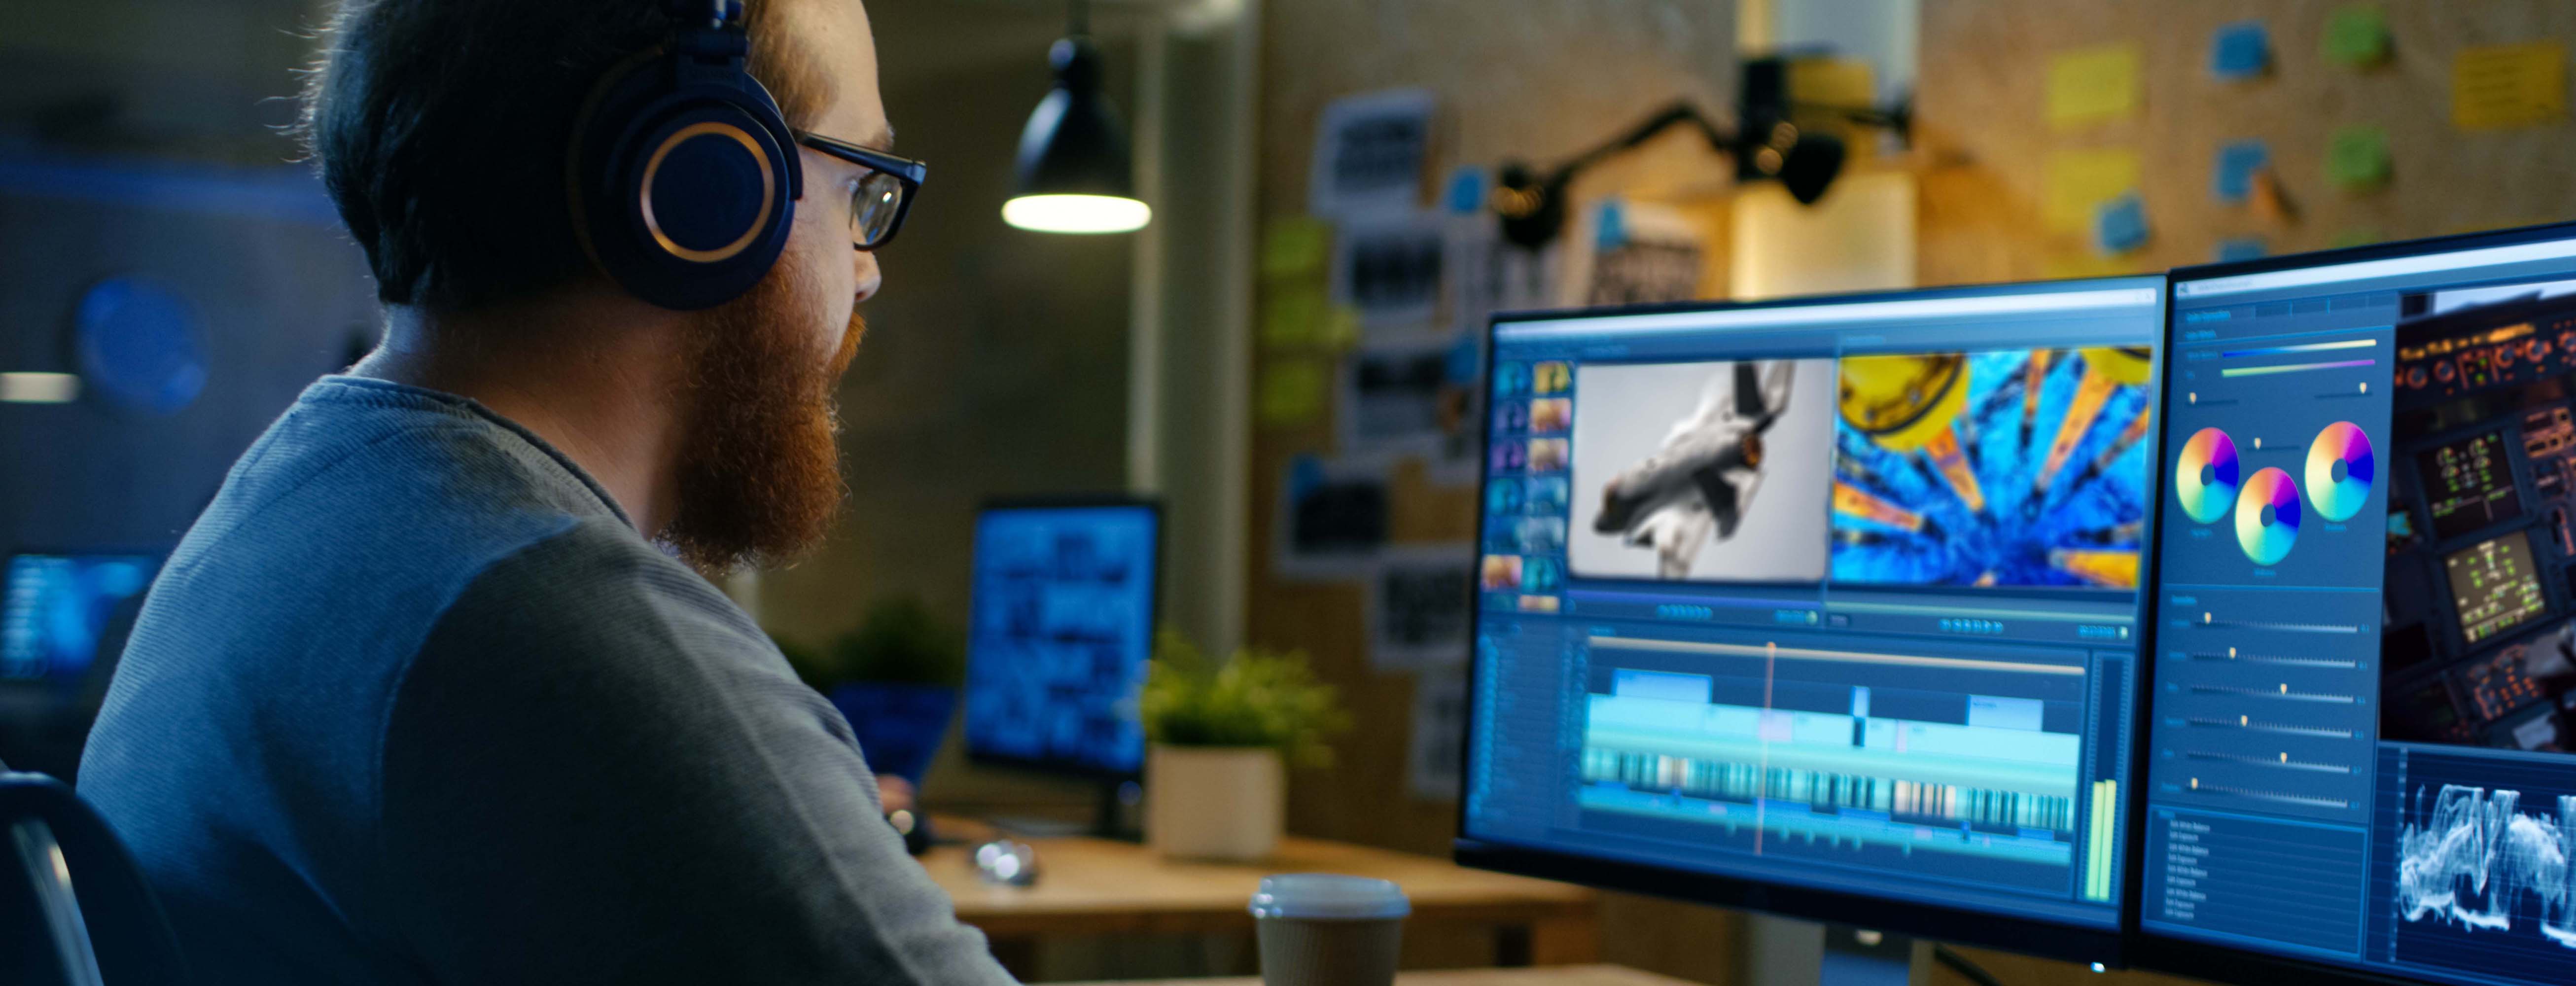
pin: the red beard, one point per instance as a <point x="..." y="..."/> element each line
<point x="759" y="470"/>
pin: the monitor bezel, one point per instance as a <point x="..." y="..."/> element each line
<point x="2235" y="963"/>
<point x="1069" y="501"/>
<point x="2049" y="939"/>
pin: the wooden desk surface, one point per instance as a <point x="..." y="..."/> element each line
<point x="1577" y="975"/>
<point x="1092" y="886"/>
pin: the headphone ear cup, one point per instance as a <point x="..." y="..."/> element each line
<point x="687" y="202"/>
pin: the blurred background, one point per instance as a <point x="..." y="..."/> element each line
<point x="1339" y="198"/>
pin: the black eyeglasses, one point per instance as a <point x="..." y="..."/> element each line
<point x="878" y="205"/>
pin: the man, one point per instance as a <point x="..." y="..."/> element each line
<point x="428" y="694"/>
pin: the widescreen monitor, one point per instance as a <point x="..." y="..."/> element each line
<point x="1827" y="607"/>
<point x="2363" y="754"/>
<point x="58" y="610"/>
<point x="1063" y="610"/>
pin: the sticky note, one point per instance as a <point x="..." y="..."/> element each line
<point x="2518" y="85"/>
<point x="2356" y="36"/>
<point x="1295" y="247"/>
<point x="2357" y="158"/>
<point x="2120" y="225"/>
<point x="2077" y="182"/>
<point x="2233" y="178"/>
<point x="1466" y="194"/>
<point x="2242" y="248"/>
<point x="1293" y="317"/>
<point x="1292" y="392"/>
<point x="2092" y="85"/>
<point x="1341" y="328"/>
<point x="2240" y="51"/>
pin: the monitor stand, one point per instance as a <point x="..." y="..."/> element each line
<point x="1859" y="957"/>
<point x="1113" y="817"/>
<point x="1785" y="950"/>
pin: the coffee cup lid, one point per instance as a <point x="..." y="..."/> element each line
<point x="1328" y="896"/>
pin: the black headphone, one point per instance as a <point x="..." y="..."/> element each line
<point x="684" y="174"/>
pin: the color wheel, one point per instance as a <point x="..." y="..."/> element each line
<point x="2206" y="476"/>
<point x="2339" y="471"/>
<point x="2267" y="516"/>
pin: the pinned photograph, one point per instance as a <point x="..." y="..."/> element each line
<point x="1388" y="268"/>
<point x="1397" y="399"/>
<point x="1438" y="749"/>
<point x="1706" y="472"/>
<point x="1332" y="519"/>
<point x="1421" y="608"/>
<point x="1370" y="153"/>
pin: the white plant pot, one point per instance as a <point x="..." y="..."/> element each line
<point x="1215" y="802"/>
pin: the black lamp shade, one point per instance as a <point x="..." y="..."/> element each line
<point x="1074" y="143"/>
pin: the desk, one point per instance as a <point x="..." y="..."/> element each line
<point x="1092" y="886"/>
<point x="1587" y="975"/>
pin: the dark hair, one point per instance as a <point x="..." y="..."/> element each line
<point x="441" y="126"/>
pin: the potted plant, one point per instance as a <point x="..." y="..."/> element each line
<point x="1222" y="735"/>
<point x="895" y="678"/>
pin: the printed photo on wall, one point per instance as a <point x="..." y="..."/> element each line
<point x="1420" y="606"/>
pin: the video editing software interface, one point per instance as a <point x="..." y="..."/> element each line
<point x="1839" y="595"/>
<point x="1061" y="624"/>
<point x="2361" y="747"/>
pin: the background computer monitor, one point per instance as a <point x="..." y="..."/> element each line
<point x="56" y="610"/>
<point x="1826" y="607"/>
<point x="1063" y="611"/>
<point x="2364" y="713"/>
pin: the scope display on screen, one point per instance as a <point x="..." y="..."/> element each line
<point x="1062" y="625"/>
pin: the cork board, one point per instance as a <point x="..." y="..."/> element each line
<point x="1986" y="137"/>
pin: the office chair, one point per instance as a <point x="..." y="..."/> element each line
<point x="110" y="933"/>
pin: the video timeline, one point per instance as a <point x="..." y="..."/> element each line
<point x="1940" y="766"/>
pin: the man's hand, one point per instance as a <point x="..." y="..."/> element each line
<point x="895" y="792"/>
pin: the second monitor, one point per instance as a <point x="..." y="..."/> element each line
<point x="1063" y="613"/>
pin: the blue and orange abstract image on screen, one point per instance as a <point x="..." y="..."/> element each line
<point x="2023" y="467"/>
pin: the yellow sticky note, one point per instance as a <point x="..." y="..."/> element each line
<point x="2519" y="85"/>
<point x="1295" y="246"/>
<point x="2092" y="85"/>
<point x="1292" y="392"/>
<point x="1341" y="328"/>
<point x="1293" y="317"/>
<point x="2076" y="183"/>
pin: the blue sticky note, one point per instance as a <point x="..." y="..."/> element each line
<point x="2237" y="162"/>
<point x="1467" y="191"/>
<point x="1610" y="232"/>
<point x="2240" y="51"/>
<point x="2121" y="224"/>
<point x="1305" y="475"/>
<point x="2242" y="248"/>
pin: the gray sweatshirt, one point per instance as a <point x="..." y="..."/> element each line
<point x="414" y="703"/>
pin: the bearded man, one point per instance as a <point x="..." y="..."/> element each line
<point x="437" y="689"/>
